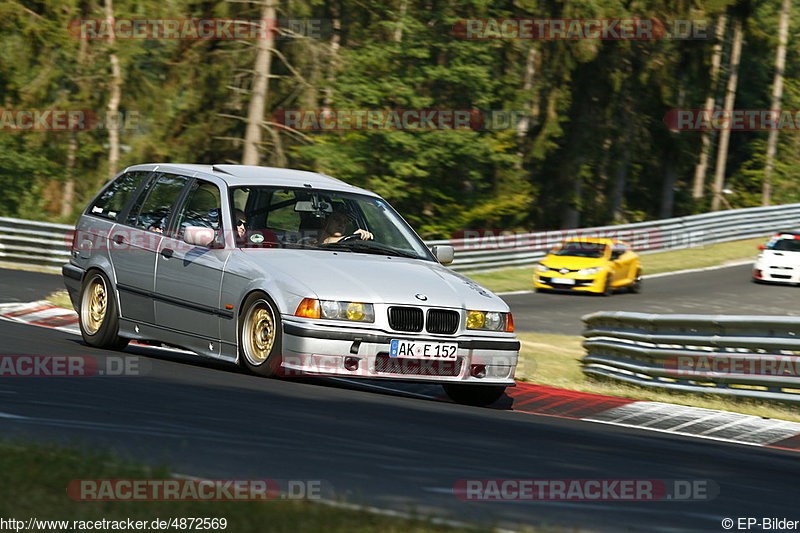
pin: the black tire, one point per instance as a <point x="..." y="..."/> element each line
<point x="478" y="395"/>
<point x="608" y="290"/>
<point x="256" y="354"/>
<point x="97" y="315"/>
<point x="636" y="286"/>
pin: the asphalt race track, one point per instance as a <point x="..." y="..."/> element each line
<point x="388" y="450"/>
<point x="726" y="291"/>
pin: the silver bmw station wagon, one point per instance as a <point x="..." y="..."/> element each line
<point x="288" y="273"/>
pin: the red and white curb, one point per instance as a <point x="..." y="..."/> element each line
<point x="657" y="416"/>
<point x="551" y="401"/>
<point x="42" y="313"/>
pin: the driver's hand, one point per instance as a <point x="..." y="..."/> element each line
<point x="365" y="235"/>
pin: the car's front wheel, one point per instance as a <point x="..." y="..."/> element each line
<point x="479" y="395"/>
<point x="98" y="318"/>
<point x="260" y="336"/>
<point x="636" y="286"/>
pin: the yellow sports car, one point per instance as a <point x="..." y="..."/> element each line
<point x="590" y="265"/>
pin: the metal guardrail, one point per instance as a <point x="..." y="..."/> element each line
<point x="45" y="244"/>
<point x="748" y="356"/>
<point x="29" y="242"/>
<point x="489" y="250"/>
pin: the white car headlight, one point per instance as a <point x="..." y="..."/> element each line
<point x="541" y="268"/>
<point x="354" y="311"/>
<point x="589" y="271"/>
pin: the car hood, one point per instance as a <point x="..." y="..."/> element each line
<point x="376" y="278"/>
<point x="781" y="258"/>
<point x="572" y="262"/>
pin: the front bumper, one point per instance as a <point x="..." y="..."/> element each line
<point x="776" y="273"/>
<point x="313" y="349"/>
<point x="594" y="283"/>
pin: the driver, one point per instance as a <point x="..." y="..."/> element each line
<point x="334" y="228"/>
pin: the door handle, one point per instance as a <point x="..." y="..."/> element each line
<point x="119" y="239"/>
<point x="167" y="252"/>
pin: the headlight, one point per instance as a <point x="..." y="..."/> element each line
<point x="589" y="271"/>
<point x="334" y="310"/>
<point x="487" y="320"/>
<point x="541" y="268"/>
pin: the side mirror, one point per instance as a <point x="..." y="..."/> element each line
<point x="199" y="236"/>
<point x="443" y="254"/>
<point x="761" y="247"/>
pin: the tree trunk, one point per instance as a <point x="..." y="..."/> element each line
<point x="112" y="109"/>
<point x="398" y="30"/>
<point x="730" y="100"/>
<point x="336" y="37"/>
<point x="258" y="96"/>
<point x="777" y="95"/>
<point x="716" y="59"/>
<point x="68" y="194"/>
<point x="524" y="124"/>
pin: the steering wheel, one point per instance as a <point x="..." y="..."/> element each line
<point x="352" y="237"/>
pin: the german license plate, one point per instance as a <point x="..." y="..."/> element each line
<point x="422" y="350"/>
<point x="563" y="281"/>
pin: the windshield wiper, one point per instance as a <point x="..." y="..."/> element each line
<point x="378" y="248"/>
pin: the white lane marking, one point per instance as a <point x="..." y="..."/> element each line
<point x="47" y="313"/>
<point x="659" y="275"/>
<point x="13" y="417"/>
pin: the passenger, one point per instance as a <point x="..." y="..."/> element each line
<point x="240" y="223"/>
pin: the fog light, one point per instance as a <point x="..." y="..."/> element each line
<point x="351" y="363"/>
<point x="477" y="371"/>
<point x="757" y="274"/>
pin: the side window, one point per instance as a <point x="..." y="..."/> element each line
<point x="113" y="199"/>
<point x="281" y="211"/>
<point x="157" y="206"/>
<point x="203" y="207"/>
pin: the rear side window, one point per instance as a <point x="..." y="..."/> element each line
<point x="202" y="207"/>
<point x="113" y="199"/>
<point x="153" y="215"/>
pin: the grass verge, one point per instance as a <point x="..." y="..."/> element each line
<point x="35" y="478"/>
<point x="549" y="359"/>
<point x="60" y="298"/>
<point x="519" y="279"/>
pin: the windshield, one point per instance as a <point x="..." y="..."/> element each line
<point x="280" y="217"/>
<point x="786" y="245"/>
<point x="581" y="249"/>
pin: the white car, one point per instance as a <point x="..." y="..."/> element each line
<point x="779" y="260"/>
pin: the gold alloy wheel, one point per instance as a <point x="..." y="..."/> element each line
<point x="95" y="304"/>
<point x="259" y="333"/>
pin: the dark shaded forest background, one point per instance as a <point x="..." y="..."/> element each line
<point x="592" y="147"/>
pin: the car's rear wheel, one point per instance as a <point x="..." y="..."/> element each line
<point x="260" y="336"/>
<point x="478" y="395"/>
<point x="98" y="318"/>
<point x="636" y="286"/>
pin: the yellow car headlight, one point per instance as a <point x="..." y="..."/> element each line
<point x="589" y="271"/>
<point x="487" y="320"/>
